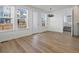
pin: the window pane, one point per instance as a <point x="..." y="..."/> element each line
<point x="5" y="18"/>
<point x="22" y="14"/>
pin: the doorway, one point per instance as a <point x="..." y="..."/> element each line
<point x="67" y="23"/>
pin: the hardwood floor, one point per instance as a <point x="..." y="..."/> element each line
<point x="47" y="42"/>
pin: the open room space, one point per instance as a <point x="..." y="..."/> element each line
<point x="46" y="42"/>
<point x="39" y="29"/>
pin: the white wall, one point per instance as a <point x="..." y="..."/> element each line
<point x="35" y="22"/>
<point x="40" y="15"/>
<point x="19" y="33"/>
<point x="56" y="22"/>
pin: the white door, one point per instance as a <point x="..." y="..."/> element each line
<point x="35" y="22"/>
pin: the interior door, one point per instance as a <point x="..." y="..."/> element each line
<point x="35" y="22"/>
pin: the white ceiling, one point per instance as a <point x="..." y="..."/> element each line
<point x="54" y="7"/>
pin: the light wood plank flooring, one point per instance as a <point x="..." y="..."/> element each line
<point x="47" y="42"/>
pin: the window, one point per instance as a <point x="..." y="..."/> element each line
<point x="8" y="21"/>
<point x="5" y="18"/>
<point x="22" y="18"/>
